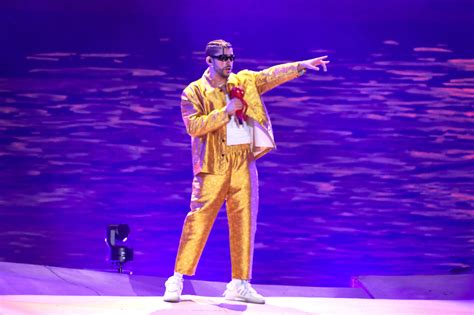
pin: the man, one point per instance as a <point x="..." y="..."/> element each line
<point x="225" y="144"/>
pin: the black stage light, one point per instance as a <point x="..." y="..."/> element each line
<point x="117" y="234"/>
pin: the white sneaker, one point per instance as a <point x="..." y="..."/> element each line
<point x="174" y="287"/>
<point x="242" y="291"/>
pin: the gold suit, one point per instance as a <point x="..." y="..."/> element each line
<point x="223" y="172"/>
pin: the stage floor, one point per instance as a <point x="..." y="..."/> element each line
<point x="192" y="304"/>
<point x="35" y="289"/>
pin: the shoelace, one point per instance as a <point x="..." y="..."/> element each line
<point x="173" y="284"/>
<point x="246" y="288"/>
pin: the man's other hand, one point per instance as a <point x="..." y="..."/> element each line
<point x="234" y="105"/>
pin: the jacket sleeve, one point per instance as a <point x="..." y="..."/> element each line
<point x="269" y="78"/>
<point x="197" y="123"/>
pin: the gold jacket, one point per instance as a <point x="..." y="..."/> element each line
<point x="203" y="111"/>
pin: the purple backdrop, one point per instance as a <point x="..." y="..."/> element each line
<point x="375" y="163"/>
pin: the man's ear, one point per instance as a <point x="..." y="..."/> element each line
<point x="209" y="61"/>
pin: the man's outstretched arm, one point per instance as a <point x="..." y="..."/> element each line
<point x="269" y="78"/>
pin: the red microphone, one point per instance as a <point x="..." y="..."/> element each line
<point x="238" y="92"/>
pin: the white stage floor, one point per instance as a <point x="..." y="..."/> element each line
<point x="192" y="304"/>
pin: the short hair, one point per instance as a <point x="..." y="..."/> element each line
<point x="216" y="46"/>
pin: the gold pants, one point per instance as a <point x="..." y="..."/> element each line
<point x="239" y="188"/>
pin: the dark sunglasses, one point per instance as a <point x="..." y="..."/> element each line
<point x="224" y="57"/>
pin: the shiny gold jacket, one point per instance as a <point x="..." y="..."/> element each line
<point x="203" y="111"/>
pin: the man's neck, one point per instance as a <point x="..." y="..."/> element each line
<point x="216" y="78"/>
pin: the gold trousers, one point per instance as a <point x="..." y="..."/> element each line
<point x="239" y="188"/>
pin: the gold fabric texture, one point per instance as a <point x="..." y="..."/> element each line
<point x="239" y="187"/>
<point x="203" y="112"/>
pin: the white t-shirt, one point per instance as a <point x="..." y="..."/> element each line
<point x="237" y="133"/>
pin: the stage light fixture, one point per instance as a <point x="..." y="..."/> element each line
<point x="116" y="236"/>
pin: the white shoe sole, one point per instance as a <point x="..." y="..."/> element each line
<point x="242" y="299"/>
<point x="171" y="299"/>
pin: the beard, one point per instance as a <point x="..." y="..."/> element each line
<point x="223" y="72"/>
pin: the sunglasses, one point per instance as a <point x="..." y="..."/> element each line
<point x="224" y="57"/>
